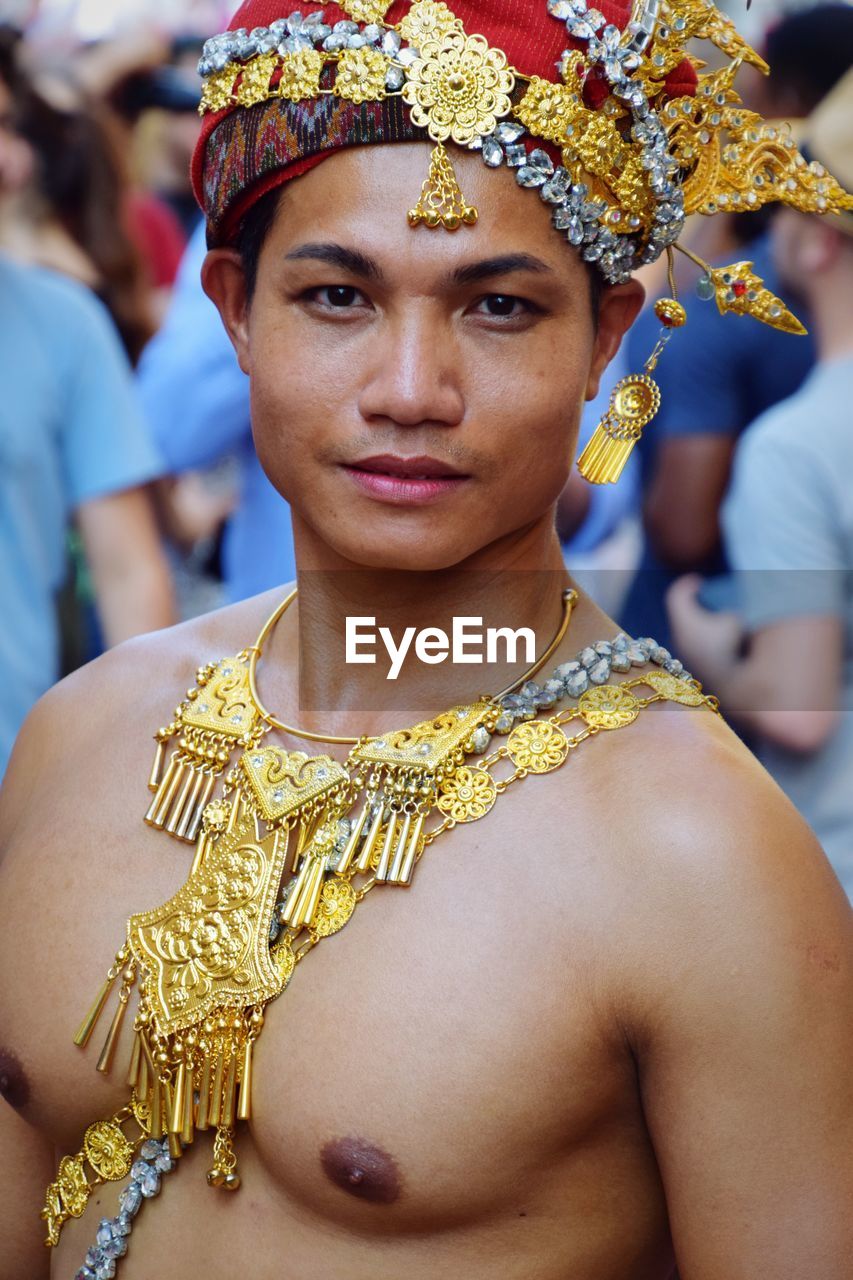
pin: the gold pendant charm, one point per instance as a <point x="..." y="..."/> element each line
<point x="537" y="746"/>
<point x="215" y="717"/>
<point x="608" y="707"/>
<point x="739" y="290"/>
<point x="468" y="795"/>
<point x="441" y="203"/>
<point x="635" y="401"/>
<point x="286" y="782"/>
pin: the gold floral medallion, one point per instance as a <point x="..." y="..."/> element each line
<point x="255" y="81"/>
<point x="337" y="903"/>
<point x="361" y="75"/>
<point x="366" y="10"/>
<point x="108" y="1151"/>
<point x="548" y="110"/>
<point x="468" y="795"/>
<point x="537" y="746"/>
<point x="459" y="88"/>
<point x="609" y="707"/>
<point x="429" y="20"/>
<point x="300" y="75"/>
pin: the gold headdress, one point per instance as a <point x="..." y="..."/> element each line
<point x="628" y="138"/>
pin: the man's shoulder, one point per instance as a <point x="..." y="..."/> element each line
<point x="691" y="820"/>
<point x="122" y="697"/>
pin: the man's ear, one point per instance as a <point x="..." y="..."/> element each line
<point x="224" y="282"/>
<point x="619" y="307"/>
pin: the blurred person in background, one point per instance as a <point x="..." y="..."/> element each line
<point x="717" y="377"/>
<point x="72" y="445"/>
<point x="788" y="525"/>
<point x="74" y="216"/>
<point x="196" y="400"/>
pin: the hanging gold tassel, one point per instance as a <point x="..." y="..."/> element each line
<point x="244" y="1110"/>
<point x="157" y="1127"/>
<point x="305" y="897"/>
<point x="387" y="854"/>
<point x="105" y="1061"/>
<point x="365" y="858"/>
<point x="135" y="1064"/>
<point x="179" y="1098"/>
<point x="635" y="401"/>
<point x="352" y="844"/>
<point x="87" y="1026"/>
<point x="442" y="203"/>
<point x="202" y="1120"/>
<point x="188" y="1126"/>
<point x="403" y="875"/>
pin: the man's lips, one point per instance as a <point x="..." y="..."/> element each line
<point x="421" y="468"/>
<point x="405" y="481"/>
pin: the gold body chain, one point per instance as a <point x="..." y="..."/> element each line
<point x="208" y="961"/>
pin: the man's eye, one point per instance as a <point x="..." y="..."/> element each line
<point x="339" y="296"/>
<point x="502" y="306"/>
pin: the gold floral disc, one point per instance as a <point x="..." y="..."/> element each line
<point x="537" y="746"/>
<point x="636" y="400"/>
<point x="335" y="910"/>
<point x="108" y="1151"/>
<point x="73" y="1187"/>
<point x="468" y="795"/>
<point x="609" y="707"/>
<point x="673" y="689"/>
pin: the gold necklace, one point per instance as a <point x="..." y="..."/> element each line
<point x="204" y="963"/>
<point x="569" y="598"/>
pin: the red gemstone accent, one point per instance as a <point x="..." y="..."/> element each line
<point x="739" y="288"/>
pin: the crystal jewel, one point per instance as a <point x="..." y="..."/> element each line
<point x="147" y="1178"/>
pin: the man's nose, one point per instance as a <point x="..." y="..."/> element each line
<point x="416" y="375"/>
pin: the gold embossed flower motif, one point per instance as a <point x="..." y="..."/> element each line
<point x="428" y="21"/>
<point x="218" y="91"/>
<point x="361" y="75"/>
<point x="366" y="10"/>
<point x="468" y="795"/>
<point x="459" y="89"/>
<point x="255" y="81"/>
<point x="547" y="110"/>
<point x="108" y="1150"/>
<point x="300" y="75"/>
<point x="537" y="746"/>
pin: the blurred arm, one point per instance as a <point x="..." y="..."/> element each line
<point x="682" y="509"/>
<point x="131" y="577"/>
<point x="194" y="395"/>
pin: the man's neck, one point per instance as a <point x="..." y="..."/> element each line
<point x="518" y="586"/>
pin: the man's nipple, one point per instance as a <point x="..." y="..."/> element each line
<point x="362" y="1170"/>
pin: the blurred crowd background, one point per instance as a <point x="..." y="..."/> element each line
<point x="130" y="496"/>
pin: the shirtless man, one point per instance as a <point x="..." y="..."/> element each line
<point x="608" y="1030"/>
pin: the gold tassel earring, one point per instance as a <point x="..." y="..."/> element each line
<point x="634" y="403"/>
<point x="442" y="203"/>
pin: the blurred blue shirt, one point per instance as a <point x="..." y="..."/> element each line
<point x="70" y="432"/>
<point x="196" y="399"/>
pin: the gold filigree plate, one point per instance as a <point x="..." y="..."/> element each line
<point x="609" y="707"/>
<point x="224" y="706"/>
<point x="207" y="948"/>
<point x="537" y="746"/>
<point x="468" y="795"/>
<point x="673" y="689"/>
<point x="108" y="1151"/>
<point x="428" y="744"/>
<point x="285" y="782"/>
<point x="337" y="903"/>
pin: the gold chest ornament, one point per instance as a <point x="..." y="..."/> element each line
<point x="283" y="856"/>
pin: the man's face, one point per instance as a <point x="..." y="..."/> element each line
<point x="416" y="394"/>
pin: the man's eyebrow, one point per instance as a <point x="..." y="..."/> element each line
<point x="503" y="265"/>
<point x="337" y="255"/>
